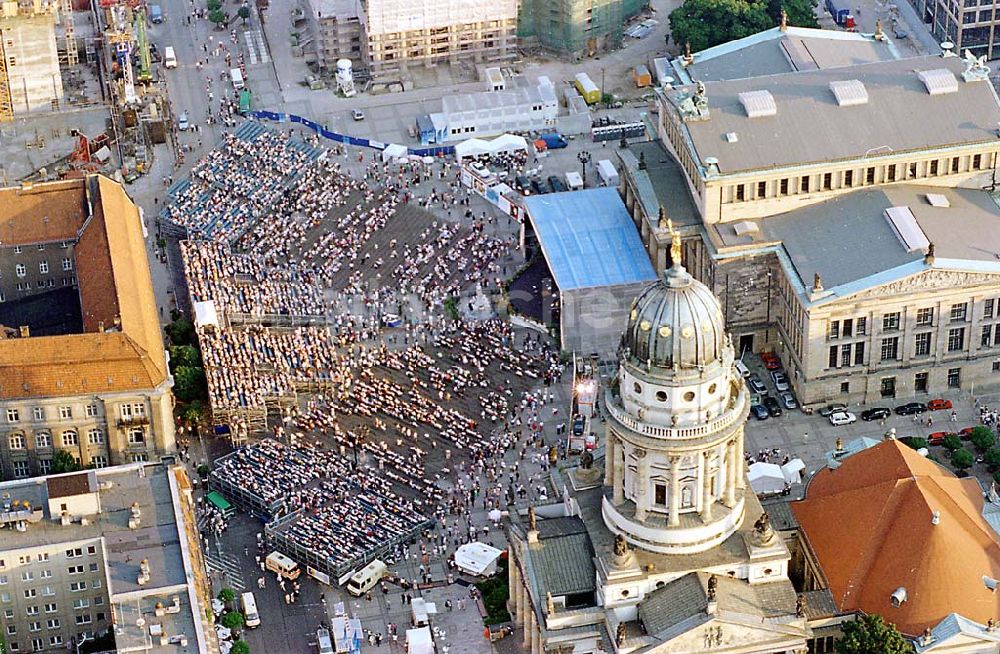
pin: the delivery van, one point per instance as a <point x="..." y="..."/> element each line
<point x="365" y="579"/>
<point x="169" y="58"/>
<point x="237" y="77"/>
<point x="281" y="565"/>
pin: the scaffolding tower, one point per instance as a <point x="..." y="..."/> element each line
<point x="6" y="105"/>
<point x="71" y="56"/>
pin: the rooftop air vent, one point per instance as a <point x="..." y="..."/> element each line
<point x="849" y="93"/>
<point x="732" y="137"/>
<point x="758" y="104"/>
<point x="906" y="229"/>
<point x="898" y="597"/>
<point x="745" y="228"/>
<point x="938" y="200"/>
<point x="939" y="81"/>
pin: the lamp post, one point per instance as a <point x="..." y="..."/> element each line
<point x="584" y="158"/>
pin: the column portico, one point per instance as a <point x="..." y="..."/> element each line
<point x="675" y="491"/>
<point x="707" y="498"/>
<point x="641" y="485"/>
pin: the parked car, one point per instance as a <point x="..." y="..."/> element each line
<point x="182" y="121"/>
<point x="911" y="408"/>
<point x="780" y="381"/>
<point x="965" y="434"/>
<point x="937" y="438"/>
<point x="838" y="418"/>
<point x="788" y="400"/>
<point x="742" y="369"/>
<point x="522" y="184"/>
<point x="772" y="406"/>
<point x="357" y="114"/>
<point x="539" y="186"/>
<point x="876" y="413"/>
<point x="771" y="360"/>
<point x="756" y="384"/>
<point x="558" y="186"/>
<point x="938" y="405"/>
<point x="832" y="408"/>
<point x="759" y="411"/>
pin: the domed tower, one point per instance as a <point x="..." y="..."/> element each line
<point x="674" y="471"/>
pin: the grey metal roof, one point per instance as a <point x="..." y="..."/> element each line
<point x="809" y="126"/>
<point x="820" y="604"/>
<point x="563" y="559"/>
<point x="848" y="238"/>
<point x="661" y="183"/>
<point x="675" y="602"/>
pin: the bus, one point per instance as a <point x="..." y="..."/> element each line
<point x="216" y="499"/>
<point x="244" y="102"/>
<point x="280" y="564"/>
<point x="250" y="610"/>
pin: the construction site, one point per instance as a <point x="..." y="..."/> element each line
<point x="78" y="92"/>
<point x="579" y="28"/>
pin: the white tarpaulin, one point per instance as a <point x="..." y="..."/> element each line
<point x="477" y="559"/>
<point x="205" y="314"/>
<point x="766" y="478"/>
<point x="394" y="151"/>
<point x="793" y="471"/>
<point x="419" y="641"/>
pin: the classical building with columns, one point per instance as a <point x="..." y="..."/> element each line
<point x="661" y="546"/>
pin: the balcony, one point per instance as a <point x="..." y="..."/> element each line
<point x="132" y="421"/>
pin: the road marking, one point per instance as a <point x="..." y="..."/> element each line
<point x="227" y="564"/>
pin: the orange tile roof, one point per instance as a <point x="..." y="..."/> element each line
<point x="115" y="287"/>
<point x="42" y="213"/>
<point x="870" y="524"/>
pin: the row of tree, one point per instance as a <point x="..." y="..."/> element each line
<point x="706" y="23"/>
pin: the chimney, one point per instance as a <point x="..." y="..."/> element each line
<point x="24" y="331"/>
<point x="936" y="518"/>
<point x="143" y="572"/>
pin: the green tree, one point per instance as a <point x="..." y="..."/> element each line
<point x="962" y="459"/>
<point x="203" y="471"/>
<point x="983" y="438"/>
<point x="63" y="461"/>
<point x="240" y="647"/>
<point x="184" y="355"/>
<point x="244" y="13"/>
<point x="193" y="412"/>
<point x="914" y="441"/>
<point x="189" y="383"/>
<point x="217" y="17"/>
<point x="214" y="5"/>
<point x="181" y="331"/>
<point x="233" y="620"/>
<point x="992" y="458"/>
<point x="705" y="23"/>
<point x="870" y="633"/>
<point x="952" y="442"/>
<point x="227" y="595"/>
<point x="801" y="13"/>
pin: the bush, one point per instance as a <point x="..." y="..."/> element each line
<point x="992" y="459"/>
<point x="240" y="647"/>
<point x="705" y="23"/>
<point x="983" y="438"/>
<point x="495" y="592"/>
<point x="217" y="17"/>
<point x="227" y="595"/>
<point x="62" y="462"/>
<point x="914" y="441"/>
<point x="214" y="5"/>
<point x="870" y="633"/>
<point x="962" y="459"/>
<point x="203" y="471"/>
<point x="451" y="308"/>
<point x="244" y="13"/>
<point x="233" y="620"/>
<point x="952" y="442"/>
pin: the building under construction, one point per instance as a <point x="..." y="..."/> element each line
<point x="30" y="56"/>
<point x="575" y="27"/>
<point x="401" y="33"/>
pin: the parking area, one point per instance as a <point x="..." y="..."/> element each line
<point x="810" y="437"/>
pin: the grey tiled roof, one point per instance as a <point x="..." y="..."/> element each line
<point x="820" y="604"/>
<point x="564" y="565"/>
<point x="675" y="602"/>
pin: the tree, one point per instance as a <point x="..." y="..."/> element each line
<point x="240" y="647"/>
<point x="181" y="331"/>
<point x="227" y="595"/>
<point x="962" y="459"/>
<point x="214" y="5"/>
<point x="193" y="412"/>
<point x="992" y="458"/>
<point x="233" y="620"/>
<point x="244" y="13"/>
<point x="952" y="442"/>
<point x="189" y="383"/>
<point x="217" y="17"/>
<point x="915" y="442"/>
<point x="705" y="23"/>
<point x="184" y="355"/>
<point x="801" y="13"/>
<point x="63" y="461"/>
<point x="870" y="633"/>
<point x="983" y="438"/>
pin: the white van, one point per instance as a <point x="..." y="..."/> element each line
<point x="365" y="579"/>
<point x="323" y="641"/>
<point x="237" y="76"/>
<point x="250" y="610"/>
<point x="169" y="58"/>
<point x="742" y="368"/>
<point x="280" y="564"/>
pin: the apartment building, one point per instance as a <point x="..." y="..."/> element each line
<point x="86" y="552"/>
<point x="82" y="361"/>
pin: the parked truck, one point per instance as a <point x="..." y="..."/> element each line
<point x="608" y="173"/>
<point x="553" y="140"/>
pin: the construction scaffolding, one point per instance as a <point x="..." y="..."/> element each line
<point x="30" y="77"/>
<point x="576" y="27"/>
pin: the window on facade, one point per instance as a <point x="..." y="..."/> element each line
<point x="833" y="356"/>
<point x="986" y="336"/>
<point x="934" y="167"/>
<point x="834" y="329"/>
<point x="845" y="387"/>
<point x="988" y="308"/>
<point x="827" y="181"/>
<point x="956" y="339"/>
<point x="45" y="466"/>
<point x="761" y="189"/>
<point x="783" y="186"/>
<point x="20" y="469"/>
<point x="16" y="441"/>
<point x="99" y="461"/>
<point x="43" y="267"/>
<point x="660" y="494"/>
<point x="13" y="415"/>
<point x="861" y="326"/>
<point x="91" y="410"/>
<point x="859" y="354"/>
<point x="66" y="412"/>
<point x="922" y="344"/>
<point x="95" y="437"/>
<point x="890" y="322"/>
<point x="890" y="348"/>
<point x="954" y="377"/>
<point x="845" y="355"/>
<point x="38" y="413"/>
<point x="912" y="170"/>
<point x="67" y="264"/>
<point x="870" y="175"/>
<point x="20" y="270"/>
<point x="70" y="438"/>
<point x="848" y="328"/>
<point x="43" y="440"/>
<point x="741" y="193"/>
<point x="958" y="311"/>
<point x="51" y="607"/>
<point x="848" y="178"/>
<point x="890" y="173"/>
<point x="954" y="164"/>
<point x="977" y="161"/>
<point x="804" y="184"/>
<point x="925" y="316"/>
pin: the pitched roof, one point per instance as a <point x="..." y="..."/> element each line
<point x="563" y="558"/>
<point x="870" y="525"/>
<point x="116" y="294"/>
<point x="42" y="213"/>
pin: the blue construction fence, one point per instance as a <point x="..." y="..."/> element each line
<point x="434" y="151"/>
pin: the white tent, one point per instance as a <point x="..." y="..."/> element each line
<point x="766" y="478"/>
<point x="508" y="143"/>
<point x="793" y="471"/>
<point x="477" y="559"/>
<point x="205" y="314"/>
<point x="471" y="148"/>
<point x="394" y="151"/>
<point x="419" y="641"/>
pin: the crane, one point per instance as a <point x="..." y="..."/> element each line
<point x="119" y="35"/>
<point x="142" y="44"/>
